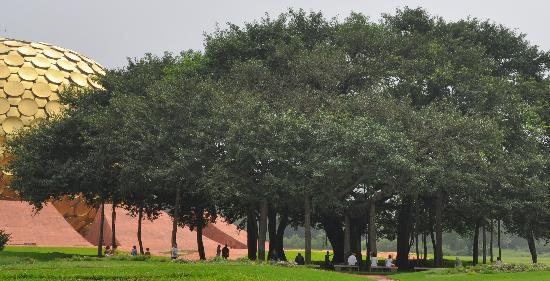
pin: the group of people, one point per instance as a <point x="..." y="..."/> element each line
<point x="352" y="260"/>
<point x="224" y="253"/>
<point x="174" y="253"/>
<point x="111" y="251"/>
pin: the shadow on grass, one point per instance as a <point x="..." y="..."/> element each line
<point x="14" y="256"/>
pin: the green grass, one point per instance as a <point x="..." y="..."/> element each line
<point x="527" y="276"/>
<point x="39" y="263"/>
<point x="18" y="254"/>
<point x="33" y="263"/>
<point x="316" y="256"/>
<point x="508" y="256"/>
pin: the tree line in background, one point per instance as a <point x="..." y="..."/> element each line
<point x="400" y="129"/>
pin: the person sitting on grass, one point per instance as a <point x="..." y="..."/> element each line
<point x="108" y="251"/>
<point x="147" y="252"/>
<point x="389" y="262"/>
<point x="174" y="252"/>
<point x="352" y="260"/>
<point x="134" y="251"/>
<point x="299" y="260"/>
<point x="498" y="262"/>
<point x="373" y="260"/>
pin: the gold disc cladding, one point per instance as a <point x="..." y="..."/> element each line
<point x="4" y="49"/>
<point x="72" y="57"/>
<point x="4" y="105"/>
<point x="13" y="43"/>
<point x="4" y="72"/>
<point x="41" y="90"/>
<point x="38" y="45"/>
<point x="14" y="60"/>
<point x="84" y="67"/>
<point x="53" y="54"/>
<point x="27" y="51"/>
<point x="79" y="79"/>
<point x="31" y="76"/>
<point x="28" y="107"/>
<point x="54" y="76"/>
<point x="66" y="65"/>
<point x="28" y="73"/>
<point x="53" y="108"/>
<point x="13" y="88"/>
<point x="98" y="69"/>
<point x="41" y="62"/>
<point x="12" y="124"/>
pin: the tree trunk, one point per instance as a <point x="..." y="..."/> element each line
<point x="175" y="219"/>
<point x="498" y="241"/>
<point x="417" y="246"/>
<point x="283" y="223"/>
<point x="438" y="254"/>
<point x="404" y="230"/>
<point x="333" y="228"/>
<point x="425" y="246"/>
<point x="475" y="248"/>
<point x="347" y="238"/>
<point x="532" y="246"/>
<point x="251" y="235"/>
<point x="372" y="229"/>
<point x="307" y="229"/>
<point x="491" y="242"/>
<point x="101" y="226"/>
<point x="200" y="244"/>
<point x="357" y="225"/>
<point x="113" y="226"/>
<point x="484" y="242"/>
<point x="272" y="231"/>
<point x="140" y="219"/>
<point x="432" y="238"/>
<point x="263" y="229"/>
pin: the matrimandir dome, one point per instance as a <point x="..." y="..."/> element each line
<point x="31" y="77"/>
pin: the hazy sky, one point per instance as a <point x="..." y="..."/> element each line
<point x="111" y="30"/>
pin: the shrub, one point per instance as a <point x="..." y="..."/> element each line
<point x="4" y="239"/>
<point x="505" y="268"/>
<point x="285" y="264"/>
<point x="216" y="260"/>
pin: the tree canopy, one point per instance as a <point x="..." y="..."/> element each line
<point x="408" y="126"/>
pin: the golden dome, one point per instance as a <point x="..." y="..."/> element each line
<point x="31" y="77"/>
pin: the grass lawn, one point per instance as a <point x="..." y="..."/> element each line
<point x="316" y="256"/>
<point x="40" y="263"/>
<point x="508" y="256"/>
<point x="527" y="276"/>
<point x="33" y="263"/>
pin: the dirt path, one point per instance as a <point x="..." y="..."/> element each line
<point x="374" y="277"/>
<point x="378" y="277"/>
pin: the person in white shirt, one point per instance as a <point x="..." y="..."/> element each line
<point x="389" y="261"/>
<point x="352" y="260"/>
<point x="174" y="252"/>
<point x="458" y="262"/>
<point x="499" y="262"/>
<point x="373" y="260"/>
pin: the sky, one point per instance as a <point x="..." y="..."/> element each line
<point x="110" y="31"/>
